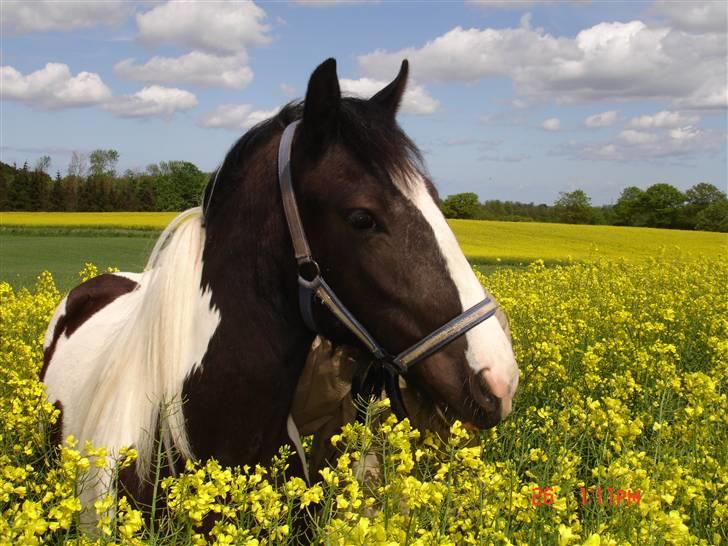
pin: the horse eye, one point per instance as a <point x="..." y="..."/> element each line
<point x="361" y="219"/>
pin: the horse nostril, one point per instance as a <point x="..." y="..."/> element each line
<point x="484" y="389"/>
<point x="482" y="394"/>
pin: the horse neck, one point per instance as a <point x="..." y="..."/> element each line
<point x="238" y="402"/>
<point x="249" y="266"/>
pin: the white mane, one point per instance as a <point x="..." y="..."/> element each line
<point x="162" y="340"/>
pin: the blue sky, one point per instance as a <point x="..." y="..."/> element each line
<point x="511" y="100"/>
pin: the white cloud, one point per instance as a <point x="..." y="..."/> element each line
<point x="657" y="144"/>
<point x="416" y="100"/>
<point x="551" y="124"/>
<point x="710" y="96"/>
<point x="609" y="61"/>
<point x="213" y="27"/>
<point x="631" y="136"/>
<point x="21" y="16"/>
<point x="235" y="117"/>
<point x="152" y="101"/>
<point x="693" y="15"/>
<point x="685" y="133"/>
<point x="662" y="119"/>
<point x="195" y="68"/>
<point x="603" y="119"/>
<point x="53" y="87"/>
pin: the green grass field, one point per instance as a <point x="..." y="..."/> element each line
<point x="62" y="242"/>
<point x="25" y="256"/>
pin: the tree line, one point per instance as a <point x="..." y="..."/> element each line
<point x="702" y="207"/>
<point x="91" y="183"/>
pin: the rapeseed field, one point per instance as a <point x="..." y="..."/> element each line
<point x="119" y="220"/>
<point x="525" y="242"/>
<point x="619" y="434"/>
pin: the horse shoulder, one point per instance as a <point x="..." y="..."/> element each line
<point x="66" y="357"/>
<point x="82" y="303"/>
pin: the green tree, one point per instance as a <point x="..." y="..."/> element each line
<point x="78" y="166"/>
<point x="575" y="208"/>
<point x="188" y="182"/>
<point x="145" y="193"/>
<point x="71" y="186"/>
<point x="704" y="194"/>
<point x="714" y="217"/>
<point x="57" y="197"/>
<point x="39" y="184"/>
<point x="629" y="208"/>
<point x="697" y="199"/>
<point x="662" y="204"/>
<point x="18" y="192"/>
<point x="103" y="162"/>
<point x="5" y="181"/>
<point x="461" y="205"/>
<point x="43" y="164"/>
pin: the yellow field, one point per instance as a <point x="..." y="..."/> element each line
<point x="622" y="388"/>
<point x="482" y="241"/>
<point x="526" y="241"/>
<point x="120" y="220"/>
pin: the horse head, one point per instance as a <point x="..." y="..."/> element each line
<point x="373" y="223"/>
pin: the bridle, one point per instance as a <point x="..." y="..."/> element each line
<point x="385" y="369"/>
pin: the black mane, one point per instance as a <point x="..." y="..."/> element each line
<point x="363" y="129"/>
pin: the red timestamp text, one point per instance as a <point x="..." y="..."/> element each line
<point x="612" y="496"/>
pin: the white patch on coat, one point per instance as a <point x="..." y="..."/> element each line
<point x="129" y="361"/>
<point x="489" y="351"/>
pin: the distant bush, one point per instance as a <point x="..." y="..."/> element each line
<point x="702" y="207"/>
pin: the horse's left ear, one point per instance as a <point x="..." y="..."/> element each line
<point x="321" y="105"/>
<point x="390" y="97"/>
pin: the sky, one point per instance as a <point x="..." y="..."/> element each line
<point x="510" y="100"/>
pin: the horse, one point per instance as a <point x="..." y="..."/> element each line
<point x="320" y="220"/>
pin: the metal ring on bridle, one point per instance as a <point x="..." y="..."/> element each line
<point x="308" y="271"/>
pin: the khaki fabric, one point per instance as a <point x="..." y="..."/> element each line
<point x="323" y="402"/>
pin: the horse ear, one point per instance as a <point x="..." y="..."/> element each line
<point x="390" y="97"/>
<point x="321" y="105"/>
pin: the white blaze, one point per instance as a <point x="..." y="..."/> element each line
<point x="489" y="350"/>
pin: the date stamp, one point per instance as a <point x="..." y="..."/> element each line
<point x="610" y="496"/>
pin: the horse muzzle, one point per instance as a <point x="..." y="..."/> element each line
<point x="492" y="393"/>
<point x="491" y="397"/>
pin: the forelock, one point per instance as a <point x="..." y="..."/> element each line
<point x="377" y="141"/>
<point x="366" y="131"/>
